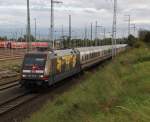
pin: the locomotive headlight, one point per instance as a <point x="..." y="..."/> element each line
<point x="41" y="76"/>
<point x="23" y="76"/>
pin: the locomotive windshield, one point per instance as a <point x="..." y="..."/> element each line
<point x="35" y="59"/>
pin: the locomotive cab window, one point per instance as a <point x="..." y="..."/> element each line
<point x="34" y="59"/>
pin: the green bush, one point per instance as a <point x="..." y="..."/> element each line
<point x="131" y="40"/>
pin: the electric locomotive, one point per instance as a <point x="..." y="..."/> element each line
<point x="47" y="68"/>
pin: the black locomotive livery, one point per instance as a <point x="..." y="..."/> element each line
<point x="47" y="68"/>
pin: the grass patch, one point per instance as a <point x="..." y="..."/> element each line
<point x="119" y="92"/>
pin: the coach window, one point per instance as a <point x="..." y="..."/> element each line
<point x="82" y="58"/>
<point x="106" y="52"/>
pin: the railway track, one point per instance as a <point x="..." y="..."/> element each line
<point x="16" y="101"/>
<point x="5" y="55"/>
<point x="8" y="80"/>
<point x="8" y="85"/>
<point x="8" y="56"/>
<point x="8" y="59"/>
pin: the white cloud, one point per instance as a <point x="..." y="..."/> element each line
<point x="13" y="12"/>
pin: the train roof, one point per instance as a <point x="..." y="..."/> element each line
<point x="87" y="50"/>
<point x="65" y="52"/>
<point x="56" y="52"/>
<point x="38" y="52"/>
<point x="81" y="50"/>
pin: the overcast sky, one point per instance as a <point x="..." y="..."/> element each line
<point x="13" y="13"/>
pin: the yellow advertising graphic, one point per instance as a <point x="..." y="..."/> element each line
<point x="59" y="64"/>
<point x="69" y="61"/>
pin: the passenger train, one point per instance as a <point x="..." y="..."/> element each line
<point x="47" y="68"/>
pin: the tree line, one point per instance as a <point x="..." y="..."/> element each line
<point x="143" y="36"/>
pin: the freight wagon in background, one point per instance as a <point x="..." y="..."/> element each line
<point x="3" y="44"/>
<point x="21" y="45"/>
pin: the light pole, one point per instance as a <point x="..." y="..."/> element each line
<point x="91" y="31"/>
<point x="16" y="36"/>
<point x="134" y="28"/>
<point x="114" y="29"/>
<point x="28" y="27"/>
<point x="129" y="24"/>
<point x="70" y="28"/>
<point x="70" y="31"/>
<point x="85" y="33"/>
<point x="52" y="21"/>
<point x="104" y="30"/>
<point x="35" y="27"/>
<point x="96" y="30"/>
<point x="62" y="32"/>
